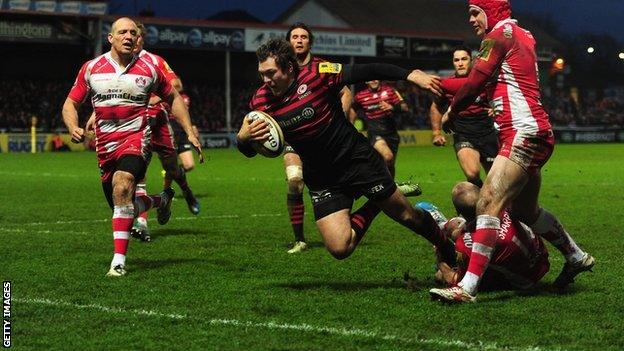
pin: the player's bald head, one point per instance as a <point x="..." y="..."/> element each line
<point x="122" y="21"/>
<point x="465" y="196"/>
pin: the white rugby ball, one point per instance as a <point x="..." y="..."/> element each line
<point x="274" y="145"/>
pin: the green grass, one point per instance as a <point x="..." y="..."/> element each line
<point x="227" y="278"/>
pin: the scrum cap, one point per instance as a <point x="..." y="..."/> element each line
<point x="495" y="11"/>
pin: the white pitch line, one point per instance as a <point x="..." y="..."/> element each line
<point x="87" y="221"/>
<point x="283" y="326"/>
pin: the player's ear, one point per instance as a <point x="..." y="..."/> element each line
<point x="110" y="38"/>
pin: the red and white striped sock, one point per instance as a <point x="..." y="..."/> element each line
<point x="145" y="202"/>
<point x="548" y="227"/>
<point x="123" y="216"/>
<point x="483" y="242"/>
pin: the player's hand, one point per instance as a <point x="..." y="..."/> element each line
<point x="384" y="106"/>
<point x="77" y="135"/>
<point x="426" y="81"/>
<point x="90" y="127"/>
<point x="197" y="145"/>
<point x="447" y="121"/>
<point x="257" y="130"/>
<point x="446" y="274"/>
<point x="439" y="140"/>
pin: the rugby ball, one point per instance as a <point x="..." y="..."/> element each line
<point x="274" y="145"/>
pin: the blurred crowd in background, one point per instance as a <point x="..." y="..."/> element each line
<point x="23" y="99"/>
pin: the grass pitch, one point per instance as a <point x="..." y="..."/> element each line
<point x="224" y="281"/>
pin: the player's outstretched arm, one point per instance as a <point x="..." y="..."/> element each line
<point x="426" y="81"/>
<point x="70" y="117"/>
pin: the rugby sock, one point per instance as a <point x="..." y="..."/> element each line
<point x="548" y="227"/>
<point x="294" y="203"/>
<point x="362" y="218"/>
<point x="139" y="192"/>
<point x="181" y="179"/>
<point x="123" y="216"/>
<point x="167" y="182"/>
<point x="483" y="241"/>
<point x="431" y="231"/>
<point x="146" y="202"/>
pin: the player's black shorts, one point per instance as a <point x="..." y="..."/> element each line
<point x="486" y="145"/>
<point x="335" y="188"/>
<point x="392" y="139"/>
<point x="181" y="141"/>
<point x="184" y="147"/>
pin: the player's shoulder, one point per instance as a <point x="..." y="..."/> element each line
<point x="318" y="59"/>
<point x="260" y="97"/>
<point x="504" y="31"/>
<point x="99" y="64"/>
<point x="326" y="67"/>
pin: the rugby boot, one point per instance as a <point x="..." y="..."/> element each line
<point x="456" y="294"/>
<point x="164" y="210"/>
<point x="298" y="246"/>
<point x="117" y="271"/>
<point x="191" y="201"/>
<point x="571" y="270"/>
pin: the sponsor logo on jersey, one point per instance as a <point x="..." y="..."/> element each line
<point x="307" y="113"/>
<point x="141" y="82"/>
<point x="329" y="67"/>
<point x="302" y="89"/>
<point x="507" y="31"/>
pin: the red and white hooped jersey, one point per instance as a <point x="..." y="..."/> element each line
<point x="120" y="96"/>
<point x="508" y="55"/>
<point x="519" y="254"/>
<point x="170" y="75"/>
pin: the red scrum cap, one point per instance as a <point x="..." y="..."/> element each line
<point x="495" y="11"/>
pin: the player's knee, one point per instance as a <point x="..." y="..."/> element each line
<point x="188" y="166"/>
<point x="294" y="177"/>
<point x="123" y="190"/>
<point x="340" y="253"/>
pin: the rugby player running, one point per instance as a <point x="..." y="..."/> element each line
<point x="339" y="163"/>
<point x="474" y="137"/>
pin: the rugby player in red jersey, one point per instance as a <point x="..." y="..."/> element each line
<point x="339" y="165"/>
<point x="508" y="62"/>
<point x="162" y="140"/>
<point x="474" y="137"/>
<point x="519" y="259"/>
<point x="185" y="149"/>
<point x="121" y="83"/>
<point x="380" y="102"/>
<point x="301" y="38"/>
